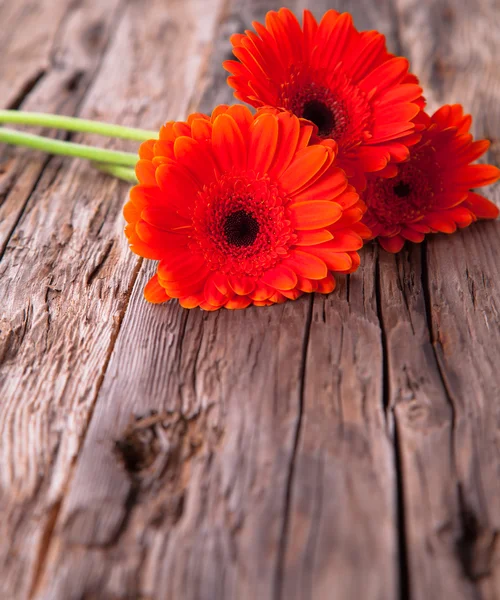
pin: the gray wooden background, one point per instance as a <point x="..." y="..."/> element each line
<point x="340" y="447"/>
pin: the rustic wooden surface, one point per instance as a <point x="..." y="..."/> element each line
<point x="344" y="447"/>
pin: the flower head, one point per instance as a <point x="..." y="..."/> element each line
<point x="342" y="80"/>
<point x="431" y="191"/>
<point x="239" y="209"/>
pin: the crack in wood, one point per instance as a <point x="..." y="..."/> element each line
<point x="283" y="540"/>
<point x="29" y="85"/>
<point x="403" y="562"/>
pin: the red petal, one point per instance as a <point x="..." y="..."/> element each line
<point x="481" y="207"/>
<point x="440" y="222"/>
<point x="392" y="244"/>
<point x="412" y="235"/>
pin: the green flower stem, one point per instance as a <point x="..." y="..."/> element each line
<point x="74" y="124"/>
<point x="11" y="136"/>
<point x="124" y="173"/>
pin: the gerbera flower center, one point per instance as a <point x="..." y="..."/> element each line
<point x="402" y="189"/>
<point x="241" y="228"/>
<point x="321" y="115"/>
<point x="407" y="197"/>
<point x="241" y="224"/>
<point x="331" y="101"/>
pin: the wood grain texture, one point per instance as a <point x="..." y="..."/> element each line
<point x="66" y="271"/>
<point x="339" y="447"/>
<point x="447" y="420"/>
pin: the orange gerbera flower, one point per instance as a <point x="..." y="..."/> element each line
<point x="240" y="209"/>
<point x="431" y="191"/>
<point x="342" y="80"/>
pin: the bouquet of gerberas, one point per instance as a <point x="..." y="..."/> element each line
<point x="245" y="208"/>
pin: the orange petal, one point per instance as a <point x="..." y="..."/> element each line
<point x="280" y="278"/>
<point x="304" y="166"/>
<point x="184" y="266"/>
<point x="315" y="236"/>
<point x="145" y="172"/>
<point x="241" y="285"/>
<point x="212" y="294"/>
<point x="190" y="301"/>
<point x="159" y="238"/>
<point x="154" y="292"/>
<point x="238" y="302"/>
<point x="201" y="130"/>
<point x="166" y="218"/>
<point x="195" y="159"/>
<point x="306" y="265"/>
<point x="179" y="187"/>
<point x="146" y="149"/>
<point x="131" y="213"/>
<point x="261" y="292"/>
<point x="326" y="285"/>
<point x="335" y="261"/>
<point x="288" y="135"/>
<point x="263" y="142"/>
<point x="292" y="294"/>
<point x="343" y="241"/>
<point x="314" y="214"/>
<point x="243" y="117"/>
<point x="228" y="144"/>
<point x="327" y="187"/>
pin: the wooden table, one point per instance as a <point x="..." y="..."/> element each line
<point x="340" y="447"/>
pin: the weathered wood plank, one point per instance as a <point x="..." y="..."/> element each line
<point x="342" y="540"/>
<point x="275" y="452"/>
<point x="67" y="273"/>
<point x="65" y="63"/>
<point x="443" y="382"/>
<point x="218" y="498"/>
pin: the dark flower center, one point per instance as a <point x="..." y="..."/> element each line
<point x="240" y="229"/>
<point x="402" y="189"/>
<point x="321" y="115"/>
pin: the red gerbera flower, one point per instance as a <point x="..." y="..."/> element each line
<point x="240" y="209"/>
<point x="342" y="80"/>
<point x="431" y="191"/>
